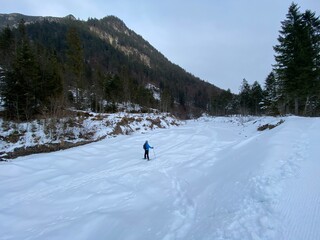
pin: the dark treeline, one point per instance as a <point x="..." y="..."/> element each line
<point x="30" y="78"/>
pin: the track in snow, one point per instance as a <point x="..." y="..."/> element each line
<point x="210" y="179"/>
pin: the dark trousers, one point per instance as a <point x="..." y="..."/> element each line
<point x="146" y="154"/>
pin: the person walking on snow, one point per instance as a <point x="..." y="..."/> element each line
<point x="146" y="148"/>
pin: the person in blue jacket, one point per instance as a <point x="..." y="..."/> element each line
<point x="146" y="148"/>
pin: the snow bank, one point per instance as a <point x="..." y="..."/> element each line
<point x="86" y="127"/>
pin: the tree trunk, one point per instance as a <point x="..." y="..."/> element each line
<point x="306" y="107"/>
<point x="296" y="106"/>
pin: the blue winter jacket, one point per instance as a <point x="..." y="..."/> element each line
<point x="147" y="146"/>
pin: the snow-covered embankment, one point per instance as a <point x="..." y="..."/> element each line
<point x="45" y="135"/>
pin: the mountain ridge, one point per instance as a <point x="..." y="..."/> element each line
<point x="12" y="19"/>
<point x="122" y="52"/>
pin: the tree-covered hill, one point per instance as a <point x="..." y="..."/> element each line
<point x="93" y="64"/>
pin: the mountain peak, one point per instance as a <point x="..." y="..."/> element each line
<point x="70" y="17"/>
<point x="116" y="23"/>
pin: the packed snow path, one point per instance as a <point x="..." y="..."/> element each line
<point x="209" y="179"/>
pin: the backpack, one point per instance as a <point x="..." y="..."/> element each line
<point x="144" y="146"/>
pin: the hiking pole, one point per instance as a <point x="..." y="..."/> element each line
<point x="154" y="153"/>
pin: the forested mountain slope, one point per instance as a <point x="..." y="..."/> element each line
<point x="99" y="61"/>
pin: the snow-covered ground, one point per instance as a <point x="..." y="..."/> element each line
<point x="215" y="178"/>
<point x="83" y="128"/>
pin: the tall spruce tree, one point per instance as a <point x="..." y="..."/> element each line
<point x="297" y="55"/>
<point x="6" y="47"/>
<point x="312" y="54"/>
<point x="20" y="82"/>
<point x="256" y="98"/>
<point x="288" y="56"/>
<point x="31" y="79"/>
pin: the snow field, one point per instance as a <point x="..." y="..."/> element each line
<point x="214" y="178"/>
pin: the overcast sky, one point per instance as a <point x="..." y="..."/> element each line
<point x="219" y="41"/>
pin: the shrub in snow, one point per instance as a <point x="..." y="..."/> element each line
<point x="269" y="126"/>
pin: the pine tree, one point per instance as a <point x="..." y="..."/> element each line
<point x="76" y="62"/>
<point x="256" y="96"/>
<point x="311" y="70"/>
<point x="288" y="55"/>
<point x="270" y="96"/>
<point x="20" y="82"/>
<point x="30" y="87"/>
<point x="50" y="86"/>
<point x="6" y="53"/>
<point x="6" y="47"/>
<point x="244" y="97"/>
<point x="297" y="58"/>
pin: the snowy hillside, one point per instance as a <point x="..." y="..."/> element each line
<point x="214" y="178"/>
<point x="18" y="139"/>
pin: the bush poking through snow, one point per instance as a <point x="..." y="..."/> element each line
<point x="269" y="126"/>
